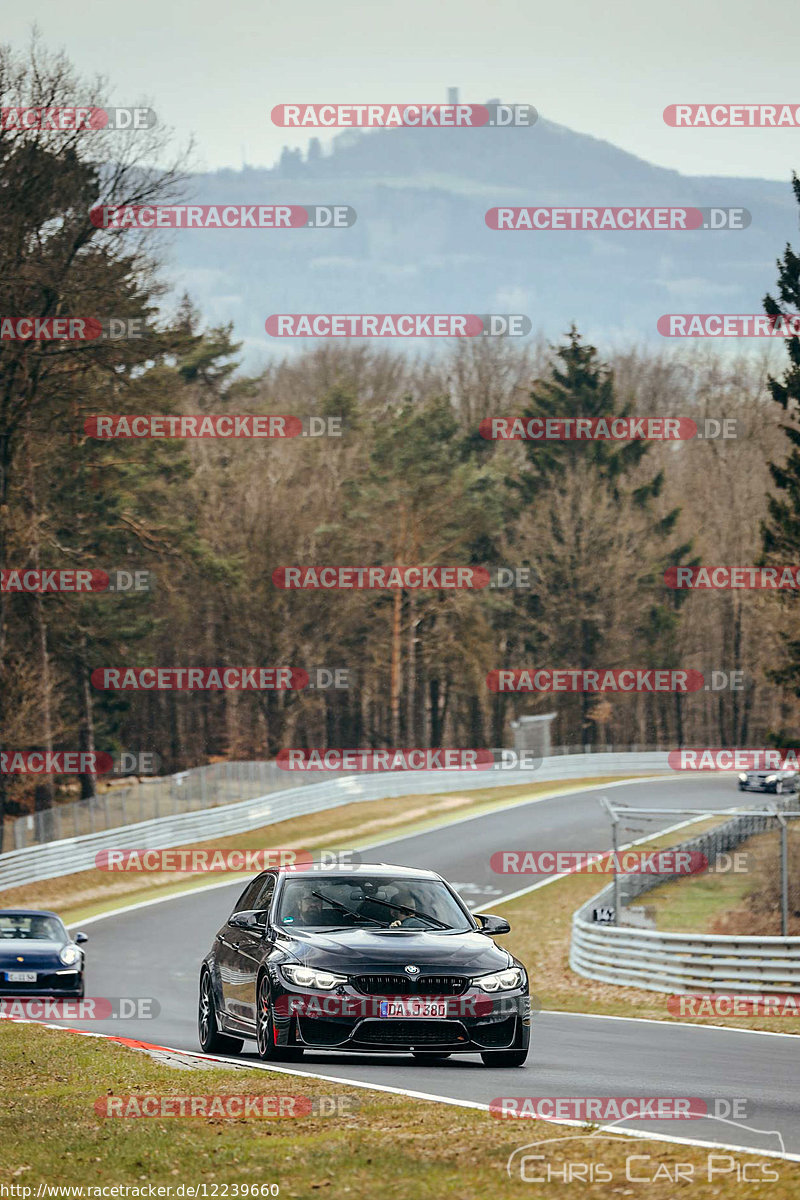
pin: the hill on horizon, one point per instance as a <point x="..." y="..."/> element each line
<point x="420" y="242"/>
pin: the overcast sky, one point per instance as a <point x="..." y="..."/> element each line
<point x="215" y="69"/>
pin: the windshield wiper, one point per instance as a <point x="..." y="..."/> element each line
<point x="352" y="912"/>
<point x="412" y="911"/>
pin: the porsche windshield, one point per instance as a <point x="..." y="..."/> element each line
<point x="377" y="902"/>
<point x="31" y="927"/>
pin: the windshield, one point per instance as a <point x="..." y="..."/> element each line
<point x="31" y="928"/>
<point x="370" y="902"/>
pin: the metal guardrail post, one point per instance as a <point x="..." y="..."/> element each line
<point x="784" y="875"/>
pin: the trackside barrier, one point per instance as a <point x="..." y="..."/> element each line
<point x="685" y="962"/>
<point x="68" y="855"/>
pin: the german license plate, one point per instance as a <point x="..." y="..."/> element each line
<point x="413" y="1008"/>
<point x="21" y="976"/>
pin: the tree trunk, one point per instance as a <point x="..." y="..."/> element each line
<point x="45" y="794"/>
<point x="394" y="683"/>
<point x="411" y="689"/>
<point x="86" y="722"/>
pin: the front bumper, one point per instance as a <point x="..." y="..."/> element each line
<point x="348" y="1020"/>
<point x="59" y="982"/>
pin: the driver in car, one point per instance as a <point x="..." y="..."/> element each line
<point x="403" y="917"/>
<point x="311" y="910"/>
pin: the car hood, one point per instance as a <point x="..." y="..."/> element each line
<point x="362" y="950"/>
<point x="33" y="953"/>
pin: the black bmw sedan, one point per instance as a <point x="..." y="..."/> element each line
<point x="37" y="955"/>
<point x="368" y="958"/>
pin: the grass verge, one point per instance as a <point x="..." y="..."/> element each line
<point x="745" y="901"/>
<point x="394" y="1146"/>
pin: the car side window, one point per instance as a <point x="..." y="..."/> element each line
<point x="244" y="903"/>
<point x="263" y="897"/>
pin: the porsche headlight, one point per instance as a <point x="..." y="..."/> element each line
<point x="771" y="779"/>
<point x="743" y="777"/>
<point x="69" y="955"/>
<point x="500" y="981"/>
<point x="311" y="978"/>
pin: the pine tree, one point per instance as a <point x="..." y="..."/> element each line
<point x="781" y="529"/>
<point x="595" y="525"/>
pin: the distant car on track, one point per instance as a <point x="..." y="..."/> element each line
<point x="38" y="956"/>
<point x="768" y="781"/>
<point x="368" y="959"/>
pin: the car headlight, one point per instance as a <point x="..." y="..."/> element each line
<point x="311" y="978"/>
<point x="500" y="981"/>
<point x="771" y="779"/>
<point x="69" y="955"/>
<point x="743" y="777"/>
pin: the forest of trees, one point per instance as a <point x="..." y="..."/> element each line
<point x="410" y="481"/>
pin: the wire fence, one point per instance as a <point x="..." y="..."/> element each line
<point x="165" y="796"/>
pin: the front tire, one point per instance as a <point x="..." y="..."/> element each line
<point x="265" y="1030"/>
<point x="515" y="1056"/>
<point x="211" y="1040"/>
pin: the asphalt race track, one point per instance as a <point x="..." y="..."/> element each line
<point x="156" y="951"/>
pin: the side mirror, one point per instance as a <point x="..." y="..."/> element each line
<point x="249" y="920"/>
<point x="80" y="938"/>
<point x="492" y="925"/>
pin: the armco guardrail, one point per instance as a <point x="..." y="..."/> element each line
<point x="66" y="856"/>
<point x="192" y="790"/>
<point x="684" y="962"/>
<point x="675" y="962"/>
